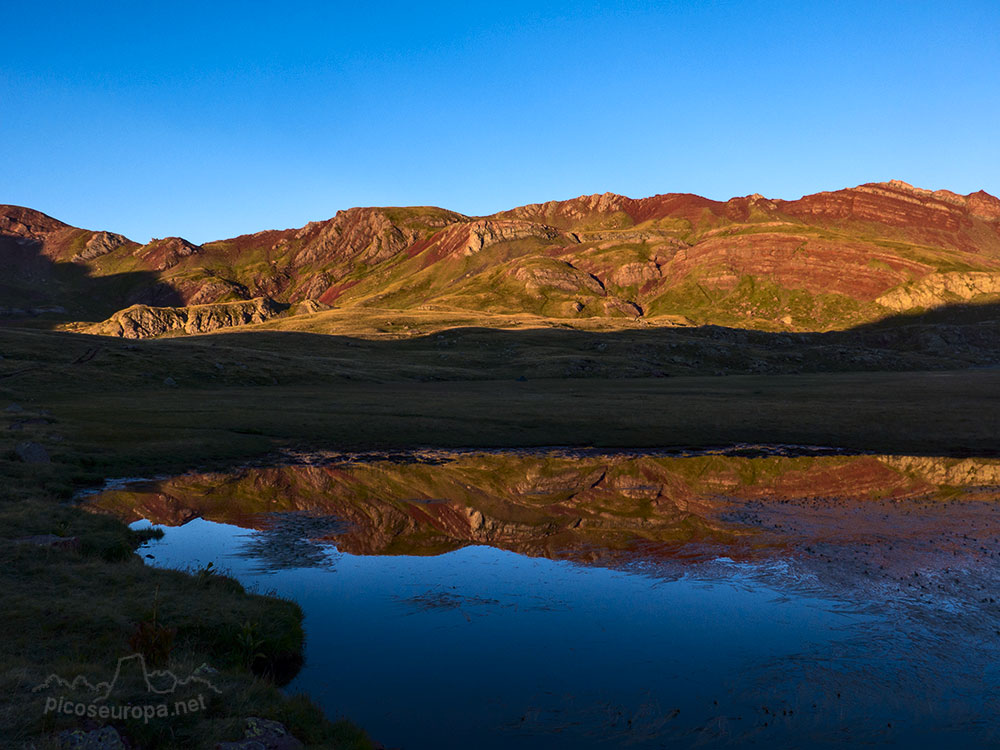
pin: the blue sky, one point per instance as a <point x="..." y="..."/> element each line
<point x="213" y="119"/>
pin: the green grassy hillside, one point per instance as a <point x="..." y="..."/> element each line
<point x="827" y="261"/>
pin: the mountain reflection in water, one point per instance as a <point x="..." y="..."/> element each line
<point x="715" y="599"/>
<point x="594" y="508"/>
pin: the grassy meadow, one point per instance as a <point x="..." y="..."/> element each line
<point x="104" y="408"/>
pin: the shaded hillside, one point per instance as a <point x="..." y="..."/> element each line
<point x="830" y="260"/>
<point x="51" y="268"/>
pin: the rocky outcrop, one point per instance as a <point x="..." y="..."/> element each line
<point x="483" y="234"/>
<point x="212" y="289"/>
<point x="557" y="275"/>
<point x="950" y="472"/>
<point x="825" y="261"/>
<point x="895" y="209"/>
<point x="635" y="274"/>
<point x="608" y="210"/>
<point x="469" y="238"/>
<point x="980" y="203"/>
<point x="941" y="289"/>
<point x="101" y="243"/>
<point x="166" y="253"/>
<point x="26" y="223"/>
<point x="362" y="234"/>
<point x="596" y="214"/>
<point x="307" y="307"/>
<point x="615" y="307"/>
<point x="143" y="321"/>
<point x="365" y="235"/>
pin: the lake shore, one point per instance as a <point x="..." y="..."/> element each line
<point x="877" y="569"/>
<point x="101" y="408"/>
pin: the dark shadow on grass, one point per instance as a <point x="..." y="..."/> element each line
<point x="956" y="314"/>
<point x="953" y="337"/>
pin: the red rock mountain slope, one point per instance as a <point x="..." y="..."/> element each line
<point x="829" y="260"/>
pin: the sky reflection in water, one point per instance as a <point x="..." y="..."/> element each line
<point x="826" y="640"/>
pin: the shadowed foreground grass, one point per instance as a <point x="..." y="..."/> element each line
<point x="72" y="611"/>
<point x="952" y="413"/>
<point x="166" y="404"/>
<point x="110" y="408"/>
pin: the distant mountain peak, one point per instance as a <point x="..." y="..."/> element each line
<point x="825" y="260"/>
<point x="27" y="222"/>
<point x="906" y="187"/>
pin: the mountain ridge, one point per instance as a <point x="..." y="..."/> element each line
<point x="827" y="260"/>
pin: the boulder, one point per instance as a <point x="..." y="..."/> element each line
<point x="32" y="453"/>
<point x="263" y="734"/>
<point x="105" y="738"/>
<point x="52" y="541"/>
<point x="145" y="321"/>
<point x="940" y="289"/>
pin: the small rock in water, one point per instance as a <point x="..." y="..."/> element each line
<point x="32" y="453"/>
<point x="169" y="382"/>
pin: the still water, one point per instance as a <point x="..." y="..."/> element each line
<point x="512" y="600"/>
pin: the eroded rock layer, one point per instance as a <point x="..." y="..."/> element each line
<point x="829" y="260"/>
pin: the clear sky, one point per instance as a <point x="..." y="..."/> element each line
<point x="212" y="119"/>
